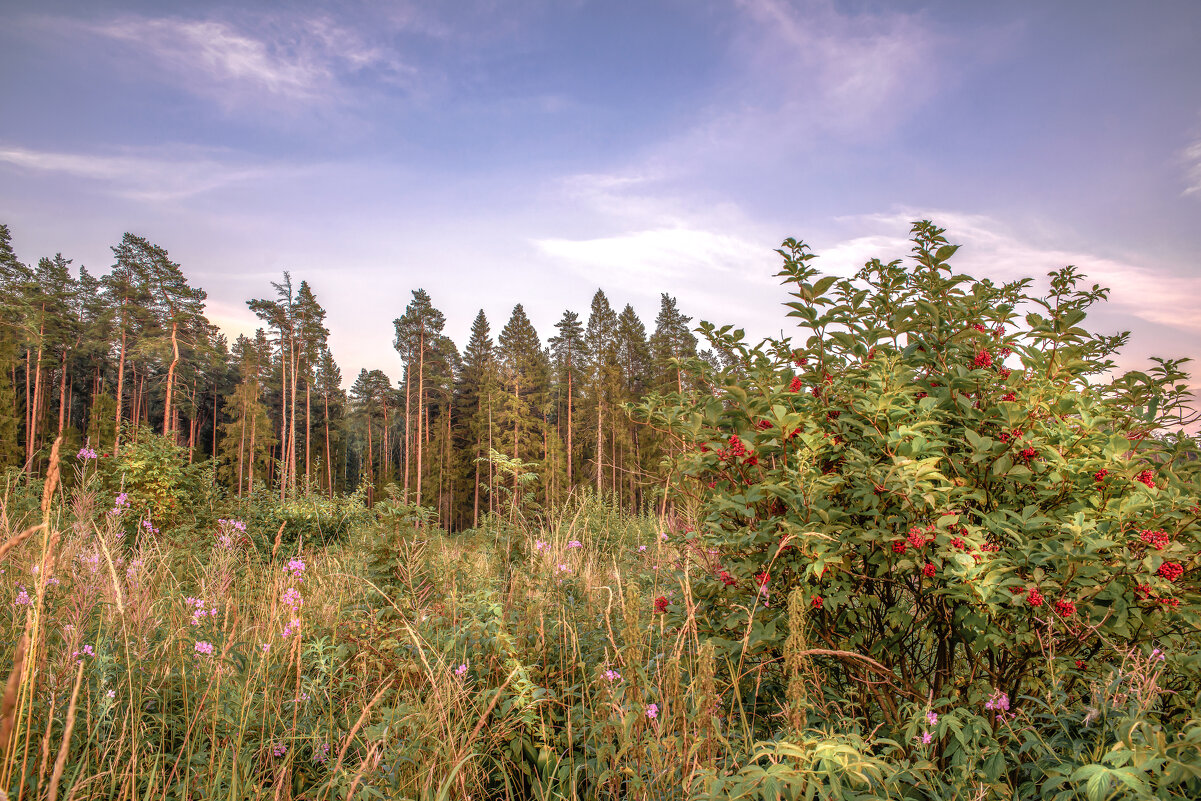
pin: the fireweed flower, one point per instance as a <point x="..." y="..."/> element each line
<point x="85" y="453"/>
<point x="205" y="648"/>
<point x="296" y="567"/>
<point x="575" y="544"/>
<point x="641" y="548"/>
<point x="293" y="598"/>
<point x="611" y="676"/>
<point x="279" y="749"/>
<point x="932" y="718"/>
<point x="321" y="752"/>
<point x="23" y="599"/>
<point x="563" y="568"/>
<point x="539" y="545"/>
<point x="652" y="711"/>
<point x="999" y="702"/>
<point x="461" y="670"/>
<point x="927" y="737"/>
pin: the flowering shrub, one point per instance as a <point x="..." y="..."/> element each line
<point x="959" y="487"/>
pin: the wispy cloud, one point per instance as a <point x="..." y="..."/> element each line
<point x="153" y="175"/>
<point x="1192" y="168"/>
<point x="290" y="62"/>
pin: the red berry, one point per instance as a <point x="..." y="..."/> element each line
<point x="899" y="547"/>
<point x="661" y="604"/>
<point x="983" y="359"/>
<point x="1034" y="597"/>
<point x="816" y="602"/>
<point x="1147" y="477"/>
<point x="1170" y="571"/>
<point x="1065" y="608"/>
<point x="1157" y="539"/>
<point x="928" y="570"/>
<point x="795" y="384"/>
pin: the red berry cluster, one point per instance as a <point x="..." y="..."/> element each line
<point x="917" y="536"/>
<point x="980" y="328"/>
<point x="1009" y="396"/>
<point x="983" y="359"/>
<point x="899" y="547"/>
<point x="795" y="385"/>
<point x="762" y="578"/>
<point x="1034" y="597"/>
<point x="1146" y="477"/>
<point x="958" y="543"/>
<point x="1065" y="608"/>
<point x="990" y="546"/>
<point x="661" y="604"/>
<point x="737" y="449"/>
<point x="1028" y="453"/>
<point x="1157" y="539"/>
<point x="1170" y="571"/>
<point x="727" y="579"/>
<point x="928" y="570"/>
<point x="816" y="602"/>
<point x="1100" y="475"/>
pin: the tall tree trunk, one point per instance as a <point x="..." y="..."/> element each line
<point x="569" y="450"/>
<point x="120" y="389"/>
<point x="600" y="444"/>
<point x="241" y="448"/>
<point x="283" y="413"/>
<point x="420" y="406"/>
<point x="292" y="416"/>
<point x="329" y="459"/>
<point x="28" y="414"/>
<point x="408" y="397"/>
<point x="254" y="421"/>
<point x="62" y="396"/>
<point x="167" y="419"/>
<point x="308" y="424"/>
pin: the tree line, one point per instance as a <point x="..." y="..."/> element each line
<point x="105" y="360"/>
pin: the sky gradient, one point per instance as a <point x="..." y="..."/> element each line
<point x="531" y="152"/>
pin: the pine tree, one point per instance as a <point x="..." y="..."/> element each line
<point x="570" y="354"/>
<point x="601" y="340"/>
<point x="417" y="331"/>
<point x="671" y="343"/>
<point x="476" y="387"/>
<point x="525" y="377"/>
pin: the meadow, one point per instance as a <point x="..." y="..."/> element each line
<point x="922" y="553"/>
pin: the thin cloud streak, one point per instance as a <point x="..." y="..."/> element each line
<point x="140" y="177"/>
<point x="295" y="64"/>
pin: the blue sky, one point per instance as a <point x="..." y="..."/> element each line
<point x="529" y="151"/>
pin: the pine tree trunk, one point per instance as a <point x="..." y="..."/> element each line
<point x="329" y="460"/>
<point x="408" y="417"/>
<point x="292" y="417"/>
<point x="241" y="448"/>
<point x="167" y="419"/>
<point x="308" y="425"/>
<point x="283" y="415"/>
<point x="62" y="396"/>
<point x="600" y="444"/>
<point x="569" y="450"/>
<point x="421" y="421"/>
<point x="254" y="421"/>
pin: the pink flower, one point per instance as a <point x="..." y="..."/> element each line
<point x="927" y="737"/>
<point x="932" y="718"/>
<point x="461" y="670"/>
<point x="652" y="711"/>
<point x="205" y="648"/>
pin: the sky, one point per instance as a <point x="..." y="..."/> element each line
<point x="533" y="151"/>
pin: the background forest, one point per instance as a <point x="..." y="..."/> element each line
<point x="102" y="360"/>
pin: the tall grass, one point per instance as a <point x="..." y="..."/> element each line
<point x="524" y="662"/>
